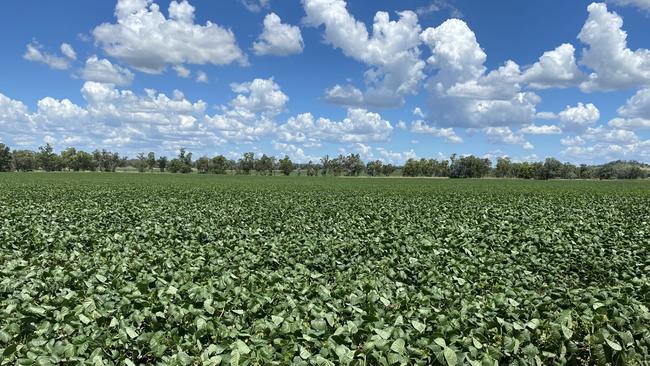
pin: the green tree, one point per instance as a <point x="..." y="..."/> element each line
<point x="68" y="159"/>
<point x="175" y="166"/>
<point x="185" y="157"/>
<point x="312" y="169"/>
<point x="99" y="159"/>
<point x="526" y="170"/>
<point x="569" y="171"/>
<point x="353" y="165"/>
<point x="374" y="168"/>
<point x="151" y="160"/>
<point x="24" y="160"/>
<point x="551" y="169"/>
<point x="181" y="164"/>
<point x="504" y="168"/>
<point x="428" y="167"/>
<point x="141" y="162"/>
<point x="337" y="165"/>
<point x="326" y="165"/>
<point x="5" y="158"/>
<point x="388" y="169"/>
<point x="442" y="170"/>
<point x="219" y="164"/>
<point x="247" y="162"/>
<point x="469" y="167"/>
<point x="112" y="160"/>
<point x="265" y="165"/>
<point x="411" y="168"/>
<point x="107" y="161"/>
<point x="83" y="161"/>
<point x="162" y="163"/>
<point x="286" y="165"/>
<point x="203" y="164"/>
<point x="47" y="159"/>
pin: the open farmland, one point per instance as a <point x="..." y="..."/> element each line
<point x="141" y="269"/>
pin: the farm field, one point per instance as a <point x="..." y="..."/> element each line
<point x="131" y="269"/>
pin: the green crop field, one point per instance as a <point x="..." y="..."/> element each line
<point x="140" y="269"/>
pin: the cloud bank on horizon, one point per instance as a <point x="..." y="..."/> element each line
<point x="391" y="88"/>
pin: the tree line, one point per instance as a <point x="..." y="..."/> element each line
<point x="69" y="159"/>
<point x="456" y="166"/>
<point x="551" y="168"/>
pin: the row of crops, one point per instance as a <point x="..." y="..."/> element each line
<point x="108" y="269"/>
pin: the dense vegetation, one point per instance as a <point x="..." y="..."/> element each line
<point x="351" y="165"/>
<point x="197" y="269"/>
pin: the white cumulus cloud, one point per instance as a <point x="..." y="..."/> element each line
<point x="255" y="5"/>
<point x="360" y="125"/>
<point x="449" y="134"/>
<point x="278" y="39"/>
<point x="462" y="94"/>
<point x="344" y="94"/>
<point x="580" y="116"/>
<point x="611" y="135"/>
<point x="615" y="65"/>
<point x="295" y="153"/>
<point x="35" y="53"/>
<point x="541" y="130"/>
<point x="68" y="51"/>
<point x="182" y="71"/>
<point x="201" y="77"/>
<point x="58" y="111"/>
<point x="148" y="41"/>
<point x="14" y="116"/>
<point x="555" y="69"/>
<point x="104" y="71"/>
<point x="391" y="51"/>
<point x="259" y="96"/>
<point x="504" y="135"/>
<point x="635" y="113"/>
<point x="641" y="4"/>
<point x="250" y="114"/>
<point x="395" y="157"/>
<point x="638" y="106"/>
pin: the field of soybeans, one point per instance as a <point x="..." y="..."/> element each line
<point x="115" y="269"/>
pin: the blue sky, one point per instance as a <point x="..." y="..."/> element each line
<point x="389" y="80"/>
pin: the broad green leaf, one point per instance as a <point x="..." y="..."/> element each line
<point x="201" y="323"/>
<point x="242" y="347"/>
<point x="420" y="327"/>
<point x="234" y="357"/>
<point x="384" y="301"/>
<point x="450" y="356"/>
<point x="345" y="354"/>
<point x="304" y="353"/>
<point x="398" y="346"/>
<point x="214" y="349"/>
<point x="613" y="344"/>
<point x="84" y="319"/>
<point x="131" y="332"/>
<point x="383" y="333"/>
<point x="114" y="323"/>
<point x="184" y="358"/>
<point x="277" y="320"/>
<point x="37" y="310"/>
<point x="533" y="323"/>
<point x="171" y="290"/>
<point x="441" y="342"/>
